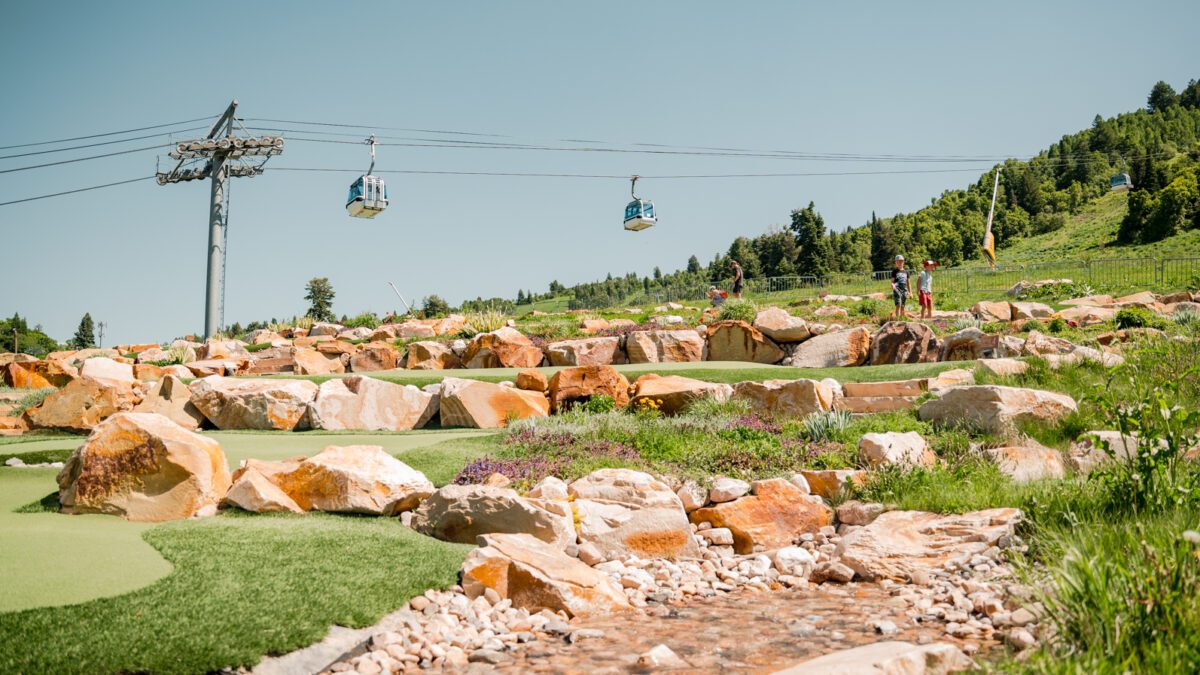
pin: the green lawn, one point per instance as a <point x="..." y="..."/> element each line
<point x="194" y="596"/>
<point x="710" y="371"/>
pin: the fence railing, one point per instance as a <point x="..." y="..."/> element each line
<point x="1100" y="274"/>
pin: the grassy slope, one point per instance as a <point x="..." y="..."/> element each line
<point x="241" y="586"/>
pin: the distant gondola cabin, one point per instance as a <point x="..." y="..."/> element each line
<point x="367" y="197"/>
<point x="639" y="215"/>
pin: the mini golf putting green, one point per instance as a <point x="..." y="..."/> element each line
<point x="50" y="559"/>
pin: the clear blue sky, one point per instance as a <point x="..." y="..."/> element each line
<point x="880" y="78"/>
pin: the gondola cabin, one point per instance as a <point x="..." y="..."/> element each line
<point x="1120" y="183"/>
<point x="639" y="215"/>
<point x="367" y="197"/>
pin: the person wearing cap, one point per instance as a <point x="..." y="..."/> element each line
<point x="738" y="276"/>
<point x="716" y="296"/>
<point x="925" y="289"/>
<point x="901" y="289"/>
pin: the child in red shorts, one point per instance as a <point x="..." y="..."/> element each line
<point x="925" y="289"/>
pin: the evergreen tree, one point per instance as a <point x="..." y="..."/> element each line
<point x="1162" y="96"/>
<point x="1190" y="96"/>
<point x="520" y="297"/>
<point x="883" y="244"/>
<point x="776" y="253"/>
<point x="809" y="228"/>
<point x="434" y="307"/>
<point x="693" y="265"/>
<point x="319" y="294"/>
<point x="85" y="335"/>
<point x="742" y="251"/>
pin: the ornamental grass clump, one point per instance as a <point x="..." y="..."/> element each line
<point x="738" y="310"/>
<point x="485" y="321"/>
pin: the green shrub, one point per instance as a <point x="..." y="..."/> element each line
<point x="1138" y="317"/>
<point x="738" y="310"/>
<point x="363" y="320"/>
<point x="601" y="403"/>
<point x="870" y="307"/>
<point x="1057" y="325"/>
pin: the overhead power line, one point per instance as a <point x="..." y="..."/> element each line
<point x="71" y="192"/>
<point x="94" y="145"/>
<point x="623" y="176"/>
<point x="84" y="159"/>
<point x="108" y="133"/>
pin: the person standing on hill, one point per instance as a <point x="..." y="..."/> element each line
<point x="737" y="279"/>
<point x="901" y="288"/>
<point x="925" y="289"/>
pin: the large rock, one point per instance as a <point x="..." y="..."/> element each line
<point x="532" y="379"/>
<point x="994" y="408"/>
<point x="107" y="371"/>
<point x="144" y="467"/>
<point x="535" y="575"/>
<point x="773" y="517"/>
<point x="1028" y="461"/>
<point x="1090" y="301"/>
<point x="1084" y="315"/>
<point x="904" y="342"/>
<point x="307" y="361"/>
<point x="780" y="326"/>
<point x="833" y="483"/>
<point x="354" y="479"/>
<point x="373" y="357"/>
<point x="322" y="329"/>
<point x="1040" y="344"/>
<point x="965" y="345"/>
<point x="664" y="346"/>
<point x="230" y="403"/>
<point x="364" y="403"/>
<point x="739" y="341"/>
<point x="893" y="448"/>
<point x="431" y="356"/>
<point x="172" y="399"/>
<point x="898" y="543"/>
<point x="1002" y="367"/>
<point x="502" y="348"/>
<point x="81" y="405"/>
<point x="1025" y="311"/>
<point x="671" y="393"/>
<point x="253" y="491"/>
<point x="992" y="311"/>
<point x="223" y="349"/>
<point x="785" y="398"/>
<point x="574" y="385"/>
<point x="38" y="374"/>
<point x="461" y="513"/>
<point x="624" y="512"/>
<point x="470" y="403"/>
<point x="596" y="351"/>
<point x="1088" y="451"/>
<point x="832" y="350"/>
<point x="887" y="658"/>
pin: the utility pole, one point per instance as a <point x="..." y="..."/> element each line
<point x="224" y="154"/>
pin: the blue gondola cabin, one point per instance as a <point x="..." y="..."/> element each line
<point x="367" y="197"/>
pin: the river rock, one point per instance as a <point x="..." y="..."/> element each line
<point x="484" y="405"/>
<point x="460" y="513"/>
<point x="772" y="517"/>
<point x="665" y="346"/>
<point x="535" y="575"/>
<point x="832" y="350"/>
<point x="230" y="403"/>
<point x="144" y="467"/>
<point x="364" y="403"/>
<point x="993" y="408"/>
<point x="576" y="385"/>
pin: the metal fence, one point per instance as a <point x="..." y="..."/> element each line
<point x="1100" y="275"/>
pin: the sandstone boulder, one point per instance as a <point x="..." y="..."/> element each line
<point x="223" y="349"/>
<point x="1002" y="367"/>
<point x="785" y="398"/>
<point x="231" y="403"/>
<point x="1026" y="311"/>
<point x="431" y="356"/>
<point x="892" y="448"/>
<point x="1028" y="461"/>
<point x="596" y="351"/>
<point x="38" y="374"/>
<point x="593" y="325"/>
<point x="1088" y="451"/>
<point x="899" y="543"/>
<point x="308" y="361"/>
<point x="460" y="513"/>
<point x="502" y="348"/>
<point x="254" y="492"/>
<point x="1040" y="344"/>
<point x="773" y="517"/>
<point x="1090" y="301"/>
<point x="322" y="329"/>
<point x="903" y="342"/>
<point x="832" y="350"/>
<point x="172" y="399"/>
<point x="624" y="512"/>
<point x="994" y="408"/>
<point x="483" y="405"/>
<point x="780" y="326"/>
<point x="373" y="357"/>
<point x="672" y="393"/>
<point x="576" y="385"/>
<point x="535" y="575"/>
<point x="831" y="312"/>
<point x="992" y="311"/>
<point x="107" y="371"/>
<point x="144" y="467"/>
<point x="354" y="479"/>
<point x="1142" y="298"/>
<point x="532" y="379"/>
<point x="1088" y="316"/>
<point x="81" y="405"/>
<point x="831" y="483"/>
<point x="739" y="341"/>
<point x="964" y="345"/>
<point x="665" y="346"/>
<point x="364" y="403"/>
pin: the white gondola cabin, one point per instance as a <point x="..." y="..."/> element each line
<point x="1120" y="183"/>
<point x="639" y="213"/>
<point x="368" y="195"/>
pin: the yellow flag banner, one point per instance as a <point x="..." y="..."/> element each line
<point x="989" y="248"/>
